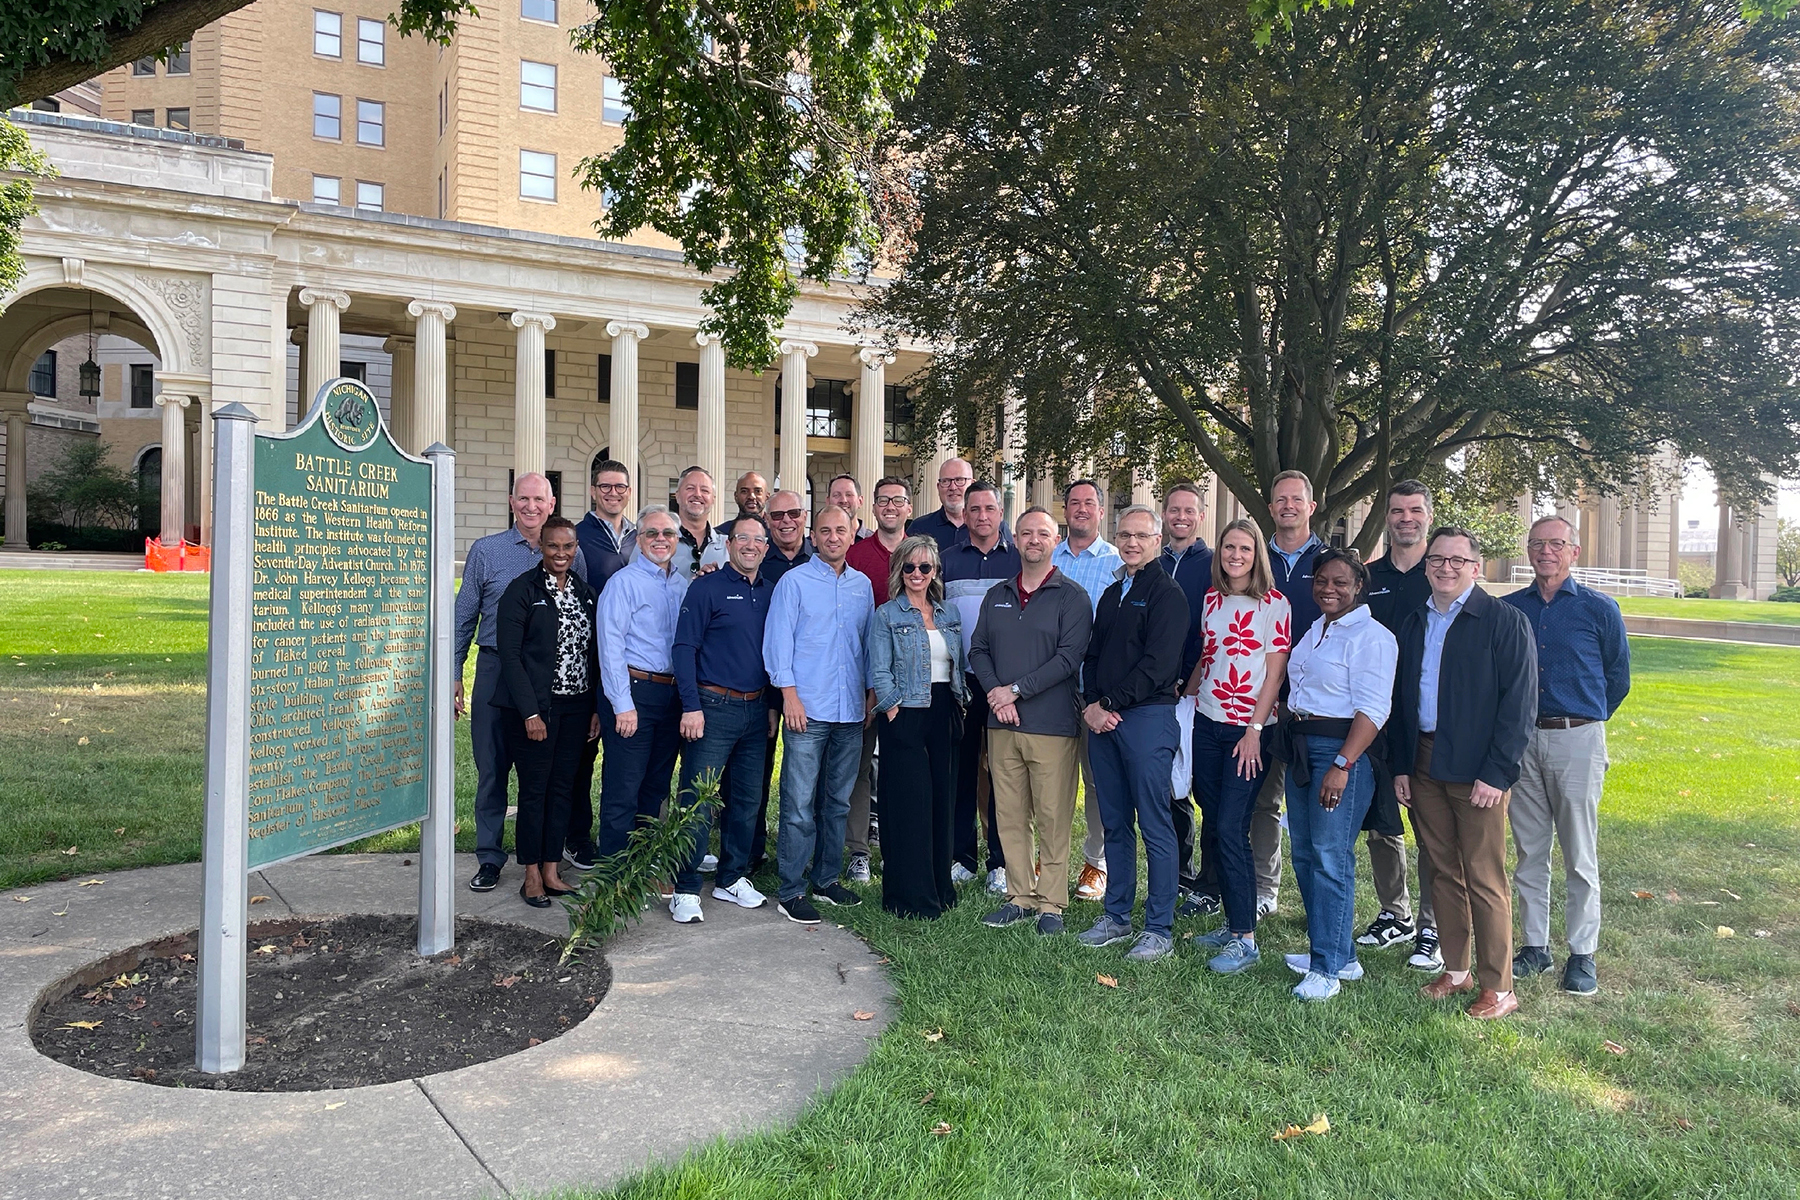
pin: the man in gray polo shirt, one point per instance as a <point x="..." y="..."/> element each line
<point x="491" y="564"/>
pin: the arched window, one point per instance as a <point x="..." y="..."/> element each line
<point x="149" y="481"/>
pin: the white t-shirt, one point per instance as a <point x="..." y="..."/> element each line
<point x="1237" y="636"/>
<point x="940" y="656"/>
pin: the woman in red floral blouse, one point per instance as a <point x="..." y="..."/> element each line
<point x="1246" y="632"/>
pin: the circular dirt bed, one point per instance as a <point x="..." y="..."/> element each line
<point x="335" y="1002"/>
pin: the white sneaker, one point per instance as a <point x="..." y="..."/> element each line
<point x="1317" y="987"/>
<point x="685" y="908"/>
<point x="1301" y="964"/>
<point x="1265" y="906"/>
<point x="997" y="881"/>
<point x="708" y="864"/>
<point x="742" y="893"/>
<point x="858" y="870"/>
<point x="960" y="874"/>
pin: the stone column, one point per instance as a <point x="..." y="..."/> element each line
<point x="174" y="466"/>
<point x="528" y="391"/>
<point x="943" y="449"/>
<point x="709" y="437"/>
<point x="18" y="420"/>
<point x="623" y="427"/>
<point x="1606" y="532"/>
<point x="195" y="419"/>
<point x="792" y="472"/>
<point x="1629" y="553"/>
<point x="1728" y="568"/>
<point x="1143" y="491"/>
<point x="431" y="372"/>
<point x="401" y="417"/>
<point x="868" y="457"/>
<point x="323" y="351"/>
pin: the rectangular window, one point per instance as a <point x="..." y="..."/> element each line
<point x="328" y="116"/>
<point x="43" y="375"/>
<point x="328" y="34"/>
<point x="442" y="206"/>
<point x="353" y="370"/>
<point x="897" y="415"/>
<point x="537" y="86"/>
<point x="181" y="59"/>
<point x="605" y="396"/>
<point x="687" y="385"/>
<point x="369" y="195"/>
<point x="443" y="107"/>
<point x="538" y="10"/>
<point x="549" y="374"/>
<point x="613" y="108"/>
<point x="371" y="42"/>
<point x="144" y="66"/>
<point x="828" y="409"/>
<point x="143" y="385"/>
<point x="327" y="189"/>
<point x="537" y="175"/>
<point x="371" y="123"/>
<point x="47" y="104"/>
<point x="143" y="116"/>
<point x="178" y="118"/>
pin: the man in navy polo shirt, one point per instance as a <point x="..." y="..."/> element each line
<point x="1187" y="559"/>
<point x="719" y="674"/>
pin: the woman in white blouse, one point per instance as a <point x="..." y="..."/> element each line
<point x="1341" y="687"/>
<point x="1246" y="629"/>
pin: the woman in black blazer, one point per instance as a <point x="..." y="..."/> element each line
<point x="548" y="673"/>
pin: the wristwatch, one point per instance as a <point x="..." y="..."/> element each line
<point x="1342" y="763"/>
<point x="1256" y="726"/>
<point x="1014" y="688"/>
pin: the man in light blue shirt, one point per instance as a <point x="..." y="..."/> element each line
<point x="1094" y="563"/>
<point x="1437" y="628"/>
<point x="813" y="651"/>
<point x="636" y="626"/>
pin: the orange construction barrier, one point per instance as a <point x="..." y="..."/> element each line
<point x="184" y="557"/>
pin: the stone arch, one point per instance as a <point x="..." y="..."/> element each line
<point x="50" y="333"/>
<point x="172" y="309"/>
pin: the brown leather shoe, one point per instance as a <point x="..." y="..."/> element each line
<point x="1492" y="1005"/>
<point x="1442" y="989"/>
<point x="1092" y="883"/>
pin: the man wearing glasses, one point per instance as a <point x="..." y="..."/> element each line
<point x="1465" y="701"/>
<point x="607" y="539"/>
<point x="872" y="556"/>
<point x="945" y="526"/>
<point x="636" y="624"/>
<point x="788" y="548"/>
<point x="1584" y="674"/>
<point x="719" y="674"/>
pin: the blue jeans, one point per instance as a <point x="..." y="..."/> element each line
<point x="818" y="769"/>
<point x="734" y="737"/>
<point x="493" y="760"/>
<point x="1132" y="765"/>
<point x="1226" y="802"/>
<point x="635" y="771"/>
<point x="1323" y="846"/>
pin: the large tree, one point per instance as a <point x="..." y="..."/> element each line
<point x="750" y="139"/>
<point x="1538" y="242"/>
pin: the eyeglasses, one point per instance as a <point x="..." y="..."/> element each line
<point x="1134" y="537"/>
<point x="891" y="501"/>
<point x="786" y="514"/>
<point x="750" y="537"/>
<point x="1455" y="562"/>
<point x="618" y="488"/>
<point x="1556" y="544"/>
<point x="962" y="479"/>
<point x="917" y="568"/>
<point x="657" y="535"/>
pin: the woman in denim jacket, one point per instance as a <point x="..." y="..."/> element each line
<point x="916" y="672"/>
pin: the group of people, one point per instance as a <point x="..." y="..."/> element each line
<point x="997" y="673"/>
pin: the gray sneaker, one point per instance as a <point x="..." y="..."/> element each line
<point x="1105" y="932"/>
<point x="1049" y="924"/>
<point x="1239" y="954"/>
<point x="858" y="870"/>
<point x="1218" y="939"/>
<point x="1149" y="947"/>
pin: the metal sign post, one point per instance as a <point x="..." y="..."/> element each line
<point x="437" y="836"/>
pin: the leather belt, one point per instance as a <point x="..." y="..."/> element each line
<point x="731" y="693"/>
<point x="649" y="676"/>
<point x="1564" y="722"/>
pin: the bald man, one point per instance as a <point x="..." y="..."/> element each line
<point x="752" y="496"/>
<point x="493" y="562"/>
<point x="945" y="526"/>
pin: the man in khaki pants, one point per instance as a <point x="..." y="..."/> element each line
<point x="1026" y="654"/>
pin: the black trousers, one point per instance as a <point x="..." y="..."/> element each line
<point x="581" y="798"/>
<point x="547" y="772"/>
<point x="917" y="789"/>
<point x="970" y="773"/>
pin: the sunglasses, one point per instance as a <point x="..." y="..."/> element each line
<point x="786" y="514"/>
<point x="656" y="535"/>
<point x="916" y="568"/>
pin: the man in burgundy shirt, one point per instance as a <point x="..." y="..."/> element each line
<point x="872" y="556"/>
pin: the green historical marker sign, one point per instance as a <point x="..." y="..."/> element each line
<point x="340" y="632"/>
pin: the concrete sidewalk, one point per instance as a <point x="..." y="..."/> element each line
<point x="711" y="1030"/>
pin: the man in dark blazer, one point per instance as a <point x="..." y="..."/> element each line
<point x="1465" y="702"/>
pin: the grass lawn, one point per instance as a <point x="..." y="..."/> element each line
<point x="1766" y="612"/>
<point x="1172" y="1082"/>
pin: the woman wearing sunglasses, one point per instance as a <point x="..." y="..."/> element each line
<point x="916" y="672"/>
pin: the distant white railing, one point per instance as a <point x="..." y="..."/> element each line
<point x="1615" y="581"/>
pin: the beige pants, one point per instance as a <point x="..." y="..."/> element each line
<point x="856" y="822"/>
<point x="1558" y="796"/>
<point x="1034" y="789"/>
<point x="1265" y="832"/>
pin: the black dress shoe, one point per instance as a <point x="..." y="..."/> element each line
<point x="534" y="901"/>
<point x="556" y="891"/>
<point x="487" y="877"/>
